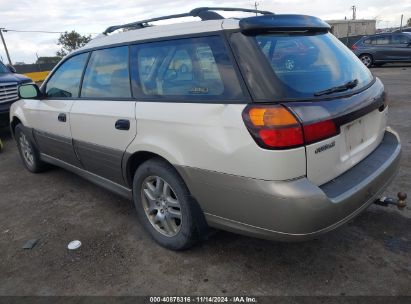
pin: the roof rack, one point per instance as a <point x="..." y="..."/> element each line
<point x="205" y="13"/>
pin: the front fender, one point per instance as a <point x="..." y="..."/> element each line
<point x="17" y="113"/>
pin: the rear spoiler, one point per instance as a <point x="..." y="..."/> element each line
<point x="283" y="23"/>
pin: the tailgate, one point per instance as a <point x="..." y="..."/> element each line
<point x="330" y="158"/>
<point x="361" y="119"/>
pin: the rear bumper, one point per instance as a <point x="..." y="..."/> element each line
<point x="293" y="210"/>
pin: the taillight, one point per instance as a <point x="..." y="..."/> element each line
<point x="319" y="131"/>
<point x="354" y="47"/>
<point x="275" y="127"/>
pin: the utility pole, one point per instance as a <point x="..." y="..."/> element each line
<point x="402" y="16"/>
<point x="256" y="4"/>
<point x="354" y="12"/>
<point x="38" y="62"/>
<point x="4" y="43"/>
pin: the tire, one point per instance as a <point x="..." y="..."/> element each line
<point x="165" y="206"/>
<point x="367" y="60"/>
<point x="28" y="151"/>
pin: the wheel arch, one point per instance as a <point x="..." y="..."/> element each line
<point x="17" y="116"/>
<point x="366" y="53"/>
<point x="131" y="161"/>
<point x="13" y="124"/>
<point x="369" y="54"/>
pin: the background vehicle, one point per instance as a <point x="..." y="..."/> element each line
<point x="291" y="54"/>
<point x="201" y="126"/>
<point x="9" y="82"/>
<point x="403" y="30"/>
<point x="383" y="48"/>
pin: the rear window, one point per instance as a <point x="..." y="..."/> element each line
<point x="304" y="65"/>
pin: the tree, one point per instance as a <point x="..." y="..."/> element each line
<point x="409" y="22"/>
<point x="45" y="59"/>
<point x="71" y="41"/>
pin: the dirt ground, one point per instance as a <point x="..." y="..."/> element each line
<point x="371" y="255"/>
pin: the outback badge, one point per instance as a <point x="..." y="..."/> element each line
<point x="325" y="147"/>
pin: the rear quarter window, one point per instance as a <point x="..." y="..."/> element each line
<point x="400" y="39"/>
<point x="191" y="69"/>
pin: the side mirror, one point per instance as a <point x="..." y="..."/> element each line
<point x="29" y="91"/>
<point x="11" y="68"/>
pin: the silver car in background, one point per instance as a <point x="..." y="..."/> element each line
<point x="383" y="48"/>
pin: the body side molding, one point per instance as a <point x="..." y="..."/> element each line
<point x="98" y="180"/>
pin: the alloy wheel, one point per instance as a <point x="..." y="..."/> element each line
<point x="26" y="150"/>
<point x="366" y="60"/>
<point x="161" y="206"/>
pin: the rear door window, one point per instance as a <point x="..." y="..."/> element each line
<point x="65" y="82"/>
<point x="184" y="69"/>
<point x="107" y="74"/>
<point x="383" y="40"/>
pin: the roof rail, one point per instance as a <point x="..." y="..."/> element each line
<point x="205" y="13"/>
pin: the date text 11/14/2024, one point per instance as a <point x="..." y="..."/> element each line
<point x="204" y="299"/>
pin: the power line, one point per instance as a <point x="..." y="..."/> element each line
<point x="43" y="32"/>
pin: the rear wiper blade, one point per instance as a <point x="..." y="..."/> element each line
<point x="349" y="85"/>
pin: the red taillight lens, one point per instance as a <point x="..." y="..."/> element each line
<point x="319" y="131"/>
<point x="282" y="138"/>
<point x="354" y="47"/>
<point x="275" y="127"/>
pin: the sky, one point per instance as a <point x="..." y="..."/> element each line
<point x="94" y="16"/>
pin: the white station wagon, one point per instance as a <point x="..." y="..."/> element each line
<point x="266" y="126"/>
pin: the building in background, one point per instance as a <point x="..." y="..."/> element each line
<point x="350" y="31"/>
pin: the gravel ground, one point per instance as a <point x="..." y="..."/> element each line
<point x="370" y="255"/>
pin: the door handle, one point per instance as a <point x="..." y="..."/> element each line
<point x="122" y="124"/>
<point x="62" y="117"/>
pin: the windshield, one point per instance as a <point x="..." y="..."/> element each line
<point x="3" y="68"/>
<point x="311" y="65"/>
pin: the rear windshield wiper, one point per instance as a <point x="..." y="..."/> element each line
<point x="349" y="85"/>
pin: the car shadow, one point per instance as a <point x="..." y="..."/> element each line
<point x="369" y="242"/>
<point x="385" y="231"/>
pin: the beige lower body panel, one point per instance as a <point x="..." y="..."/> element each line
<point x="295" y="209"/>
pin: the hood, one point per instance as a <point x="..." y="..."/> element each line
<point x="11" y="77"/>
